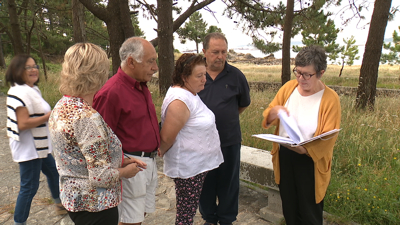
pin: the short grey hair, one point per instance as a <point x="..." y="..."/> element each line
<point x="214" y="35"/>
<point x="132" y="47"/>
<point x="312" y="55"/>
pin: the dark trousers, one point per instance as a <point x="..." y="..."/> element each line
<point x="222" y="183"/>
<point x="105" y="217"/>
<point x="297" y="189"/>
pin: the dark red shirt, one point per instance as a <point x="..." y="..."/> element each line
<point x="129" y="112"/>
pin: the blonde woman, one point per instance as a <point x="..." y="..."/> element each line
<point x="88" y="154"/>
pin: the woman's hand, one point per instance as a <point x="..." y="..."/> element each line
<point x="273" y="113"/>
<point x="298" y="149"/>
<point x="131" y="160"/>
<point x="129" y="170"/>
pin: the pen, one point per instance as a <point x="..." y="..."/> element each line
<point x="136" y="163"/>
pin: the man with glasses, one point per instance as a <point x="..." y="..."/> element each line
<point x="227" y="94"/>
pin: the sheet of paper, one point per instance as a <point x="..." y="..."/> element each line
<point x="291" y="128"/>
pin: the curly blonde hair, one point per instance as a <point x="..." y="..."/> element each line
<point x="85" y="69"/>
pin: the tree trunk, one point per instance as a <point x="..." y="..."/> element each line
<point x="125" y="16"/>
<point x="119" y="24"/>
<point x="370" y="64"/>
<point x="287" y="34"/>
<point x="42" y="56"/>
<point x="2" y="61"/>
<point x="78" y="21"/>
<point x="15" y="27"/>
<point x="165" y="44"/>
<point x="341" y="69"/>
<point x="117" y="37"/>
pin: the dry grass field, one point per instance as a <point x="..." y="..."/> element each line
<point x="388" y="76"/>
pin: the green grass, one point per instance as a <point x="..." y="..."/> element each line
<point x="365" y="179"/>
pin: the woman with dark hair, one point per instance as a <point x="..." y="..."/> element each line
<point x="303" y="172"/>
<point x="28" y="134"/>
<point x="189" y="138"/>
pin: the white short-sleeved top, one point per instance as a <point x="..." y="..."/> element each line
<point x="197" y="146"/>
<point x="24" y="149"/>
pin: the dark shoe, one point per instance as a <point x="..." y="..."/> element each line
<point x="207" y="223"/>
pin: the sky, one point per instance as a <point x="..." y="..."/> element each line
<point x="240" y="42"/>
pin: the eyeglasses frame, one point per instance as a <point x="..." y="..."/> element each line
<point x="295" y="72"/>
<point x="30" y="68"/>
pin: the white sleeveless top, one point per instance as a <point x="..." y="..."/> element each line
<point x="197" y="146"/>
<point x="304" y="110"/>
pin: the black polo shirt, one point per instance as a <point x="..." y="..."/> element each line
<point x="224" y="96"/>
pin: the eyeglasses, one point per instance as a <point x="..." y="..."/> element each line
<point x="30" y="68"/>
<point x="305" y="75"/>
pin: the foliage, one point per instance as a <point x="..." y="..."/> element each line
<point x="48" y="20"/>
<point x="265" y="21"/>
<point x="265" y="47"/>
<point x="319" y="30"/>
<point x="213" y="29"/>
<point x="364" y="186"/>
<point x="350" y="51"/>
<point x="52" y="22"/>
<point x="393" y="57"/>
<point x="260" y="20"/>
<point x="195" y="30"/>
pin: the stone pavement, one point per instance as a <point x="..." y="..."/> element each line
<point x="42" y="213"/>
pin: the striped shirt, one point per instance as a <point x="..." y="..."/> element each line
<point x="31" y="98"/>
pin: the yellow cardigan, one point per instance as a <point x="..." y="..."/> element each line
<point x="320" y="151"/>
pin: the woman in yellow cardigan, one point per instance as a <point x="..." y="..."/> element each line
<point x="303" y="173"/>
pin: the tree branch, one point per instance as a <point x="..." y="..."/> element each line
<point x="98" y="34"/>
<point x="182" y="18"/>
<point x="97" y="10"/>
<point x="150" y="8"/>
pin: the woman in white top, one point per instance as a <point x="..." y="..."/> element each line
<point x="189" y="138"/>
<point x="27" y="129"/>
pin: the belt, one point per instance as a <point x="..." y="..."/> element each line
<point x="144" y="154"/>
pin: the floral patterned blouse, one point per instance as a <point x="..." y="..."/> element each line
<point x="87" y="154"/>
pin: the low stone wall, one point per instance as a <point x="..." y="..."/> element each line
<point x="256" y="167"/>
<point x="340" y="90"/>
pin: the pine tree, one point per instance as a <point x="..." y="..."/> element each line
<point x="195" y="30"/>
<point x="393" y="57"/>
<point x="349" y="54"/>
<point x="319" y="30"/>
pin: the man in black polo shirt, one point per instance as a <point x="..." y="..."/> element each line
<point x="226" y="93"/>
